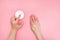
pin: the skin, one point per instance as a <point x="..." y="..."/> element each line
<point x="15" y="27"/>
<point x="34" y="23"/>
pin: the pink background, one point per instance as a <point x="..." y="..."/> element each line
<point x="48" y="12"/>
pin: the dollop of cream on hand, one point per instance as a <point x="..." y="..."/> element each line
<point x="19" y="13"/>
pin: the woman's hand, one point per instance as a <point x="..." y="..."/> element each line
<point x="16" y="23"/>
<point x="34" y="23"/>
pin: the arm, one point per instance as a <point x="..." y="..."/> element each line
<point x="15" y="27"/>
<point x="34" y="23"/>
<point x="12" y="34"/>
<point x="38" y="35"/>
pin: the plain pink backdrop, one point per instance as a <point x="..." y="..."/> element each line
<point x="47" y="11"/>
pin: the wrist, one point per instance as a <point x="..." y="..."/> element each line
<point x="14" y="30"/>
<point x="38" y="35"/>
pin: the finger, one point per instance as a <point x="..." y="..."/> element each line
<point x="18" y="22"/>
<point x="21" y="24"/>
<point x="32" y="17"/>
<point x="13" y="18"/>
<point x="31" y="20"/>
<point x="18" y="18"/>
<point x="36" y="19"/>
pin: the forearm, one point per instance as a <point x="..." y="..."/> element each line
<point x="38" y="35"/>
<point x="12" y="34"/>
